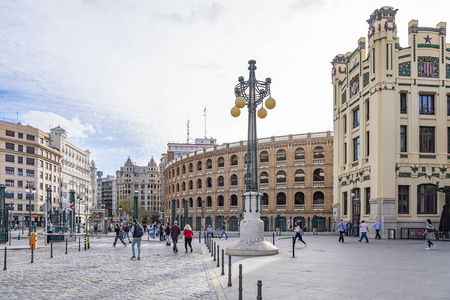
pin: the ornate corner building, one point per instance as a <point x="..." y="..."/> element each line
<point x="294" y="174"/>
<point x="391" y="129"/>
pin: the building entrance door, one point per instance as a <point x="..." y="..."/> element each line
<point x="356" y="210"/>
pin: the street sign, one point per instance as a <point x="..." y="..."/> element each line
<point x="90" y="218"/>
<point x="116" y="219"/>
<point x="34" y="216"/>
<point x="72" y="206"/>
<point x="97" y="216"/>
<point x="67" y="206"/>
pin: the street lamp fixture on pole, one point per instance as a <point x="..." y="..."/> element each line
<point x="30" y="187"/>
<point x="252" y="93"/>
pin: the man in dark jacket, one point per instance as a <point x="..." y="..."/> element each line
<point x="174" y="233"/>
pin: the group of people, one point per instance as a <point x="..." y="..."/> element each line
<point x="172" y="232"/>
<point x="342" y="227"/>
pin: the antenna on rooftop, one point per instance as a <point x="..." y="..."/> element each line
<point x="187" y="125"/>
<point x="204" y="114"/>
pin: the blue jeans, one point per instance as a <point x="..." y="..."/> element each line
<point x="341" y="236"/>
<point x="126" y="235"/>
<point x="138" y="241"/>
<point x="364" y="235"/>
<point x="168" y="239"/>
<point x="299" y="236"/>
<point x="223" y="232"/>
<point x="429" y="242"/>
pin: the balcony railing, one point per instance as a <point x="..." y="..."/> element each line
<point x="199" y="191"/>
<point x="263" y="185"/>
<point x="209" y="189"/>
<point x="299" y="207"/>
<point x="299" y="162"/>
<point x="281" y="163"/>
<point x="318" y="184"/>
<point x="318" y="161"/>
<point x="208" y="171"/>
<point x="318" y="206"/>
<point x="220" y="208"/>
<point x="191" y="174"/>
<point x="199" y="209"/>
<point x="265" y="207"/>
<point x="220" y="188"/>
<point x="300" y="184"/>
<point x="209" y="209"/>
<point x="199" y="172"/>
<point x="233" y="208"/>
<point x="233" y="188"/>
<point x="234" y="168"/>
<point x="220" y="169"/>
<point x="281" y="207"/>
<point x="281" y="185"/>
<point x="264" y="164"/>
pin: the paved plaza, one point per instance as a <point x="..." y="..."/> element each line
<point x="325" y="269"/>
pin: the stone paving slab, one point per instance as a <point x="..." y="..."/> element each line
<point x="106" y="272"/>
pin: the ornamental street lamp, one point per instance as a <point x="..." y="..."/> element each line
<point x="72" y="213"/>
<point x="30" y="187"/>
<point x="48" y="207"/>
<point x="185" y="202"/>
<point x="173" y="211"/>
<point x="120" y="214"/>
<point x="252" y="93"/>
<point x="135" y="210"/>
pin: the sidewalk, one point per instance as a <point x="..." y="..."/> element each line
<point x="327" y="269"/>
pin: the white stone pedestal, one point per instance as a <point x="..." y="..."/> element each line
<point x="251" y="242"/>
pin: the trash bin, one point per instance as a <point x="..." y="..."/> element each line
<point x="34" y="240"/>
<point x="391" y="234"/>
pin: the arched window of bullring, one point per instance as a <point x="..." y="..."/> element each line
<point x="245" y="160"/>
<point x="209" y="182"/>
<point x="319" y="175"/>
<point x="199" y="165"/>
<point x="209" y="201"/>
<point x="220" y="201"/>
<point x="173" y="173"/>
<point x="233" y="200"/>
<point x="234" y="160"/>
<point x="178" y="203"/>
<point x="319" y="152"/>
<point x="281" y="155"/>
<point x="209" y="164"/>
<point x="299" y="154"/>
<point x="199" y="183"/>
<point x="233" y="179"/>
<point x="264" y="157"/>
<point x="173" y="188"/>
<point x="281" y="199"/>
<point x="265" y="199"/>
<point x="191" y="168"/>
<point x="318" y="198"/>
<point x="183" y="170"/>
<point x="178" y="187"/>
<point x="263" y="178"/>
<point x="183" y="186"/>
<point x="199" y="202"/>
<point x="220" y="162"/>
<point x="281" y="176"/>
<point x="220" y="181"/>
<point x="299" y="176"/>
<point x="191" y="202"/>
<point x="299" y="198"/>
<point x="178" y="171"/>
<point x="191" y="185"/>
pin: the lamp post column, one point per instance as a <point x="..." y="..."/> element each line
<point x="186" y="212"/>
<point x="135" y="210"/>
<point x="48" y="207"/>
<point x="173" y="211"/>
<point x="30" y="188"/>
<point x="72" y="213"/>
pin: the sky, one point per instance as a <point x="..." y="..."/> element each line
<point x="124" y="77"/>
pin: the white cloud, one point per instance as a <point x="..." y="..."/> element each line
<point x="46" y="120"/>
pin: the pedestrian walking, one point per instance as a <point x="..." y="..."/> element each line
<point x="355" y="228"/>
<point x="429" y="231"/>
<point x="364" y="229"/>
<point x="49" y="230"/>
<point x="95" y="229"/>
<point x="149" y="226"/>
<point x="167" y="234"/>
<point x="298" y="233"/>
<point x="377" y="226"/>
<point x="126" y="232"/>
<point x="175" y="231"/>
<point x="188" y="234"/>
<point x="341" y="227"/>
<point x="224" y="232"/>
<point x="137" y="232"/>
<point x="119" y="235"/>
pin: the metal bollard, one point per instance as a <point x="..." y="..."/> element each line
<point x="51" y="249"/>
<point x="200" y="237"/>
<point x="273" y="239"/>
<point x="259" y="295"/>
<point x="218" y="256"/>
<point x="4" y="262"/>
<point x="223" y="262"/>
<point x="32" y="253"/>
<point x="229" y="270"/>
<point x="89" y="245"/>
<point x="79" y="244"/>
<point x="10" y="238"/>
<point x="18" y="238"/>
<point x="66" y="246"/>
<point x="204" y="237"/>
<point x="293" y="246"/>
<point x="85" y="243"/>
<point x="240" y="282"/>
<point x="214" y="250"/>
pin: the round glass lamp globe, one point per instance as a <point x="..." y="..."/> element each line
<point x="270" y="103"/>
<point x="240" y="102"/>
<point x="262" y="113"/>
<point x="235" y="112"/>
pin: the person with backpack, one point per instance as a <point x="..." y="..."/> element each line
<point x="137" y="232"/>
<point x="119" y="235"/>
<point x="175" y="231"/>
<point x="341" y="227"/>
<point x="126" y="230"/>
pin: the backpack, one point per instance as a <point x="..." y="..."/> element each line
<point x="138" y="232"/>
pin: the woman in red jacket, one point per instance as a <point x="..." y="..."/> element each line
<point x="188" y="234"/>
